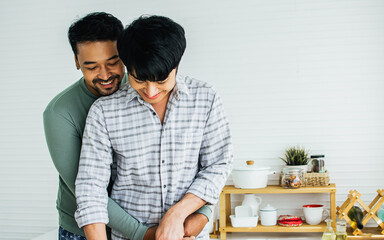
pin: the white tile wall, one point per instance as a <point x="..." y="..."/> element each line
<point x="289" y="71"/>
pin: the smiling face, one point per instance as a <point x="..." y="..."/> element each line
<point x="101" y="66"/>
<point x="154" y="92"/>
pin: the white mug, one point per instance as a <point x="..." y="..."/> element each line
<point x="313" y="213"/>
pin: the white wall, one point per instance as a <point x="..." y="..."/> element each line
<point x="289" y="72"/>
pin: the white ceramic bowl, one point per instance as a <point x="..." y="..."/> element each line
<point x="244" y="221"/>
<point x="249" y="177"/>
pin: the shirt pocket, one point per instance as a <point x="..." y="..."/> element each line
<point x="187" y="145"/>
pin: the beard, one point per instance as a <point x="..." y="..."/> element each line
<point x="116" y="80"/>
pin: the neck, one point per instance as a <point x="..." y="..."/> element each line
<point x="160" y="107"/>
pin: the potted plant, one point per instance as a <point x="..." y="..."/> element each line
<point x="296" y="157"/>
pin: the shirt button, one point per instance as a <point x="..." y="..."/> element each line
<point x="165" y="186"/>
<point x="162" y="161"/>
<point x="154" y="114"/>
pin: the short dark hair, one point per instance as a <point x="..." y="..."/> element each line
<point x="96" y="26"/>
<point x="152" y="46"/>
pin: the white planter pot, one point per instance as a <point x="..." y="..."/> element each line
<point x="304" y="168"/>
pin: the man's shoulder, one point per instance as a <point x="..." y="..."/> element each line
<point x="197" y="87"/>
<point x="193" y="83"/>
<point x="63" y="97"/>
<point x="68" y="100"/>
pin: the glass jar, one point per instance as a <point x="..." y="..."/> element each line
<point x="292" y="178"/>
<point x="341" y="230"/>
<point x="318" y="163"/>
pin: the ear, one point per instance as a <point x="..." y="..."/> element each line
<point x="77" y="63"/>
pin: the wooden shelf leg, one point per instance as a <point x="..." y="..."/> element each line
<point x="223" y="235"/>
<point x="225" y="212"/>
<point x="228" y="207"/>
<point x="223" y="217"/>
<point x="333" y="208"/>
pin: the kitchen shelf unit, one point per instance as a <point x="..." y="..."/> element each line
<point x="225" y="208"/>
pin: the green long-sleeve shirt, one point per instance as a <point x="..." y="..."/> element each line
<point x="64" y="121"/>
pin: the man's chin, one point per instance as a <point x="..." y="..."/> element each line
<point x="108" y="91"/>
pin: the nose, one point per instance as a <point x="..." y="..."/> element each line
<point x="104" y="73"/>
<point x="151" y="89"/>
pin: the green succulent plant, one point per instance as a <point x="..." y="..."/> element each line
<point x="296" y="156"/>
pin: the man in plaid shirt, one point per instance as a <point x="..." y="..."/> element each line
<point x="167" y="134"/>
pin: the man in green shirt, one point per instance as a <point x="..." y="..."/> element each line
<point x="93" y="41"/>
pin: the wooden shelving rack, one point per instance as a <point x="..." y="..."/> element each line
<point x="225" y="209"/>
<point x="369" y="211"/>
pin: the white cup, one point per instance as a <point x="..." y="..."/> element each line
<point x="313" y="213"/>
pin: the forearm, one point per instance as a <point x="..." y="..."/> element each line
<point x="124" y="223"/>
<point x="185" y="207"/>
<point x="194" y="224"/>
<point x="95" y="231"/>
<point x="172" y="224"/>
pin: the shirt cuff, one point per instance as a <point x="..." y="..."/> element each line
<point x="206" y="211"/>
<point x="203" y="190"/>
<point x="140" y="232"/>
<point x="90" y="216"/>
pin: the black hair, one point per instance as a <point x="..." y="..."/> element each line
<point x="96" y="26"/>
<point x="151" y="46"/>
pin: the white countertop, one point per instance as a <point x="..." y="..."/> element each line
<point x="232" y="236"/>
<point x="274" y="236"/>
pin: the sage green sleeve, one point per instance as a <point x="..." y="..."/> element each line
<point x="205" y="210"/>
<point x="64" y="144"/>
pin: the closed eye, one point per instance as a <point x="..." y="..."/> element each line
<point x="139" y="81"/>
<point x="91" y="68"/>
<point x="114" y="63"/>
<point x="162" y="82"/>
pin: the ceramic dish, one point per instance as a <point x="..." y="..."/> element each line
<point x="244" y="221"/>
<point x="248" y="177"/>
<point x="243" y="211"/>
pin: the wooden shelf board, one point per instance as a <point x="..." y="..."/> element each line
<point x="368" y="233"/>
<point x="276" y="228"/>
<point x="275" y="189"/>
